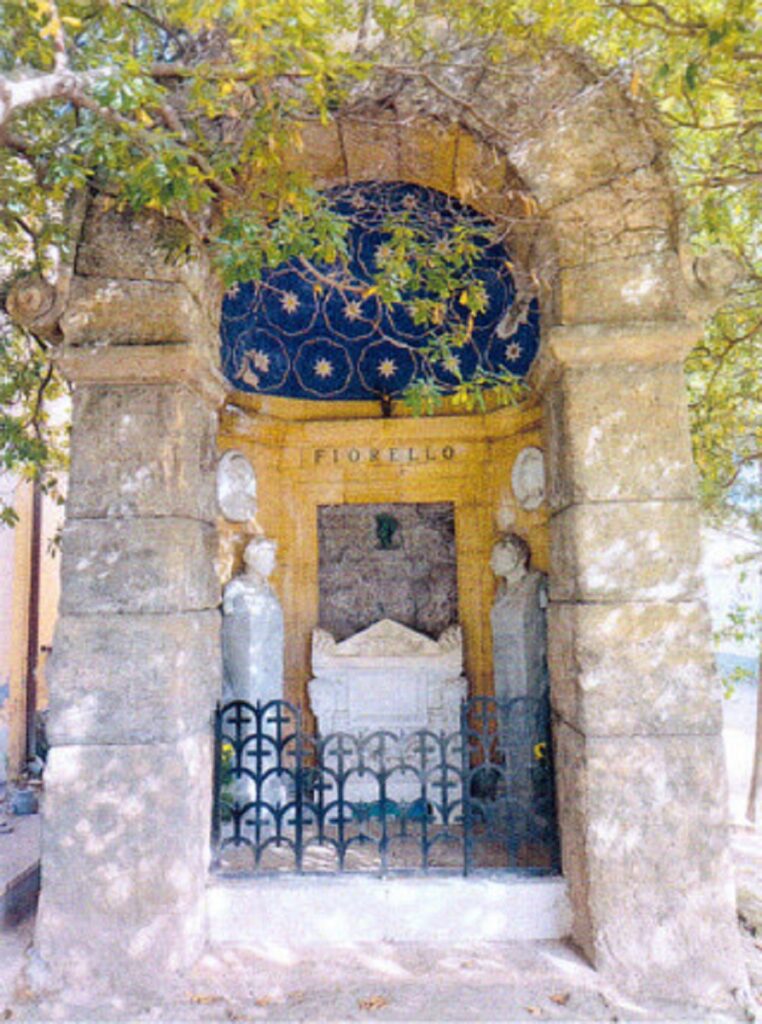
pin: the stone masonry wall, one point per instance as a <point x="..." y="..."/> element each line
<point x="413" y="580"/>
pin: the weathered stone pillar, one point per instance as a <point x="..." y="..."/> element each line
<point x="135" y="669"/>
<point x="641" y="772"/>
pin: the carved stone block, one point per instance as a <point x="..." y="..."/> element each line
<point x="619" y="433"/>
<point x="141" y="451"/>
<point x="138" y="565"/>
<point x="133" y="821"/>
<point x="121" y="244"/>
<point x="629" y="669"/>
<point x="615" y="552"/>
<point x="133" y="678"/>
<point x="645" y="849"/>
<point x="126" y="312"/>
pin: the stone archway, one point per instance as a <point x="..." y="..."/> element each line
<point x="639" y="759"/>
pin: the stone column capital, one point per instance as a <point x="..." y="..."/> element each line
<point x="579" y="346"/>
<point x="122" y="311"/>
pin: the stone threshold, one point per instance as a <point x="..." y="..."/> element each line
<point x="303" y="911"/>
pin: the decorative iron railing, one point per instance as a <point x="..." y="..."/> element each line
<point x="385" y="801"/>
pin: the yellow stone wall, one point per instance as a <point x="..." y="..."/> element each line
<point x="15" y="574"/>
<point x="303" y="461"/>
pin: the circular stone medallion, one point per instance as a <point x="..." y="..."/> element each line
<point x="236" y="487"/>
<point x="528" y="478"/>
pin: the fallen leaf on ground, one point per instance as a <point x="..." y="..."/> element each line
<point x="263" y="1001"/>
<point x="296" y="997"/>
<point x="562" y="998"/>
<point x="201" y="999"/>
<point x="534" y="1010"/>
<point x="373" y="1003"/>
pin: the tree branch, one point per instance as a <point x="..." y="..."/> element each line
<point x="34" y="415"/>
<point x="143" y="138"/>
<point x="228" y="72"/>
<point x="23" y="150"/>
<point x="366" y="25"/>
<point x="459" y="101"/>
<point x="741" y="464"/>
<point x="158" y="23"/>
<point x="15" y="94"/>
<point x="60" y="55"/>
<point x="684" y="27"/>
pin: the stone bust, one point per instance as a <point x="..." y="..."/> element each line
<point x="510" y="562"/>
<point x="259" y="562"/>
<point x="236" y="487"/>
<point x="259" y="559"/>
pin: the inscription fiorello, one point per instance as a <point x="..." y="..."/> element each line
<point x="397" y="455"/>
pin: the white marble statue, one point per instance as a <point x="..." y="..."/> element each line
<point x="519" y="642"/>
<point x="236" y="487"/>
<point x="252" y="658"/>
<point x="518" y="621"/>
<point x="528" y="478"/>
<point x="252" y="629"/>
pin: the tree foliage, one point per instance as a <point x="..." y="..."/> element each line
<point x="192" y="107"/>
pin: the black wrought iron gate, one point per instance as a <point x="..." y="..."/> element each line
<point x="385" y="801"/>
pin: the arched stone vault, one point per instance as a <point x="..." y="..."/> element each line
<point x="573" y="167"/>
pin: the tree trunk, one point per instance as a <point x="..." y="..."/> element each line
<point x="755" y="787"/>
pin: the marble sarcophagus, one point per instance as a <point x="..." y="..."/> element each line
<point x="387" y="678"/>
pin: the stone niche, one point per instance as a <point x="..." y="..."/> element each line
<point x="387" y="561"/>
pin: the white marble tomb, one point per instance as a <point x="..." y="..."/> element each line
<point x="387" y="677"/>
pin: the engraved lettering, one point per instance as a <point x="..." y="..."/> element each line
<point x="427" y="453"/>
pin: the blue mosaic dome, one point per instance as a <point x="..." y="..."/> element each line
<point x="283" y="336"/>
